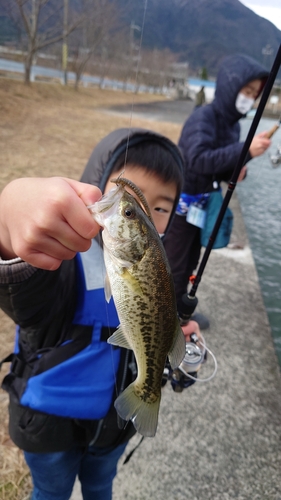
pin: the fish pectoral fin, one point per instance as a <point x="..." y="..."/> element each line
<point x="177" y="352"/>
<point x="107" y="289"/>
<point x="144" y="415"/>
<point x="118" y="338"/>
<point x="132" y="282"/>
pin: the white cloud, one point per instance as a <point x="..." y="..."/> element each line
<point x="270" y="12"/>
<point x="260" y="3"/>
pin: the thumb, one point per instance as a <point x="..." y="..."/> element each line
<point x="88" y="193"/>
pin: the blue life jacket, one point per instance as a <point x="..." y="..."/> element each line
<point x="76" y="378"/>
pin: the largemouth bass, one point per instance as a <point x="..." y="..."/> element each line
<point x="140" y="281"/>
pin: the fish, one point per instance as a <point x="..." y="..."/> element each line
<point x="140" y="281"/>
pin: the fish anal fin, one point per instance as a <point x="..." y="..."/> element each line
<point x="177" y="352"/>
<point x="118" y="338"/>
<point x="144" y="415"/>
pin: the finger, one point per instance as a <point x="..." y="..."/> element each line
<point x="47" y="255"/>
<point x="191" y="327"/>
<point x="67" y="238"/>
<point x="88" y="193"/>
<point x="81" y="221"/>
<point x="77" y="214"/>
<point x="60" y="242"/>
<point x="50" y="248"/>
<point x="43" y="261"/>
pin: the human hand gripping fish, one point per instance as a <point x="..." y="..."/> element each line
<point x="139" y="278"/>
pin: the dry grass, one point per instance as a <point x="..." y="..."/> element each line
<point x="50" y="130"/>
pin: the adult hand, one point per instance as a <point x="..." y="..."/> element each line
<point x="243" y="173"/>
<point x="259" y="144"/>
<point x="191" y="327"/>
<point x="45" y="220"/>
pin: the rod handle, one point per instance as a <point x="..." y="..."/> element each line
<point x="272" y="131"/>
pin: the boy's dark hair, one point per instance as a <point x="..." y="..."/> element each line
<point x="153" y="157"/>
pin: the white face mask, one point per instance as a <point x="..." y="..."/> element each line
<point x="243" y="104"/>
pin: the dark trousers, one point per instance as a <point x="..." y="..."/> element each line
<point x="183" y="246"/>
<point x="54" y="474"/>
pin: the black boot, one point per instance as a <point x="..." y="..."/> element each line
<point x="202" y="320"/>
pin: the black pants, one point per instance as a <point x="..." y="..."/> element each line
<point x="183" y="246"/>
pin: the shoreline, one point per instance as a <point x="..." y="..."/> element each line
<point x="176" y="111"/>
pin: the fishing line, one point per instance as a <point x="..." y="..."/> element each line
<point x="128" y="140"/>
<point x="136" y="73"/>
<point x="233" y="181"/>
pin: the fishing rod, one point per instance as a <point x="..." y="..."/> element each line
<point x="190" y="300"/>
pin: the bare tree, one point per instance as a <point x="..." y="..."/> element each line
<point x="41" y="21"/>
<point x="100" y="17"/>
<point x="158" y="67"/>
<point x="108" y="58"/>
<point x="130" y="54"/>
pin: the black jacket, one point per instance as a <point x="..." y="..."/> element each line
<point x="42" y="304"/>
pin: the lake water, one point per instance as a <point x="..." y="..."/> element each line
<point x="260" y="199"/>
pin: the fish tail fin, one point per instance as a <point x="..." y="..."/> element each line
<point x="143" y="415"/>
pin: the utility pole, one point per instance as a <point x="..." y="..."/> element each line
<point x="133" y="47"/>
<point x="64" y="43"/>
<point x="32" y="30"/>
<point x="267" y="51"/>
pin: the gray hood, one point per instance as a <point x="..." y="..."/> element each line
<point x="105" y="154"/>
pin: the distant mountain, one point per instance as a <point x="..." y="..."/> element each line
<point x="204" y="31"/>
<point x="199" y="32"/>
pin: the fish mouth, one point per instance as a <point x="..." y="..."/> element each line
<point x="105" y="204"/>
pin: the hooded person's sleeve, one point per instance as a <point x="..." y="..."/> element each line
<point x="199" y="146"/>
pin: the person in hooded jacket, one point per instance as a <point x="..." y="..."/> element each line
<point x="64" y="376"/>
<point x="210" y="145"/>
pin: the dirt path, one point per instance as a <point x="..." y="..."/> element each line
<point x="159" y="111"/>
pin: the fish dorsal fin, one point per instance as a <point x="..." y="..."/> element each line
<point x="177" y="351"/>
<point x="118" y="338"/>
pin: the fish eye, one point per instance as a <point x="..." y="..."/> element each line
<point x="129" y="213"/>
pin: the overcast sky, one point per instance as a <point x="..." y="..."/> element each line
<point x="271" y="11"/>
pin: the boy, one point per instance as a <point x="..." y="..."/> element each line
<point x="64" y="377"/>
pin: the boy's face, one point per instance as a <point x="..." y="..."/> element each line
<point x="159" y="195"/>
<point x="252" y="89"/>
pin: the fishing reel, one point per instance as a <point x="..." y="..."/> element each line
<point x="186" y="374"/>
